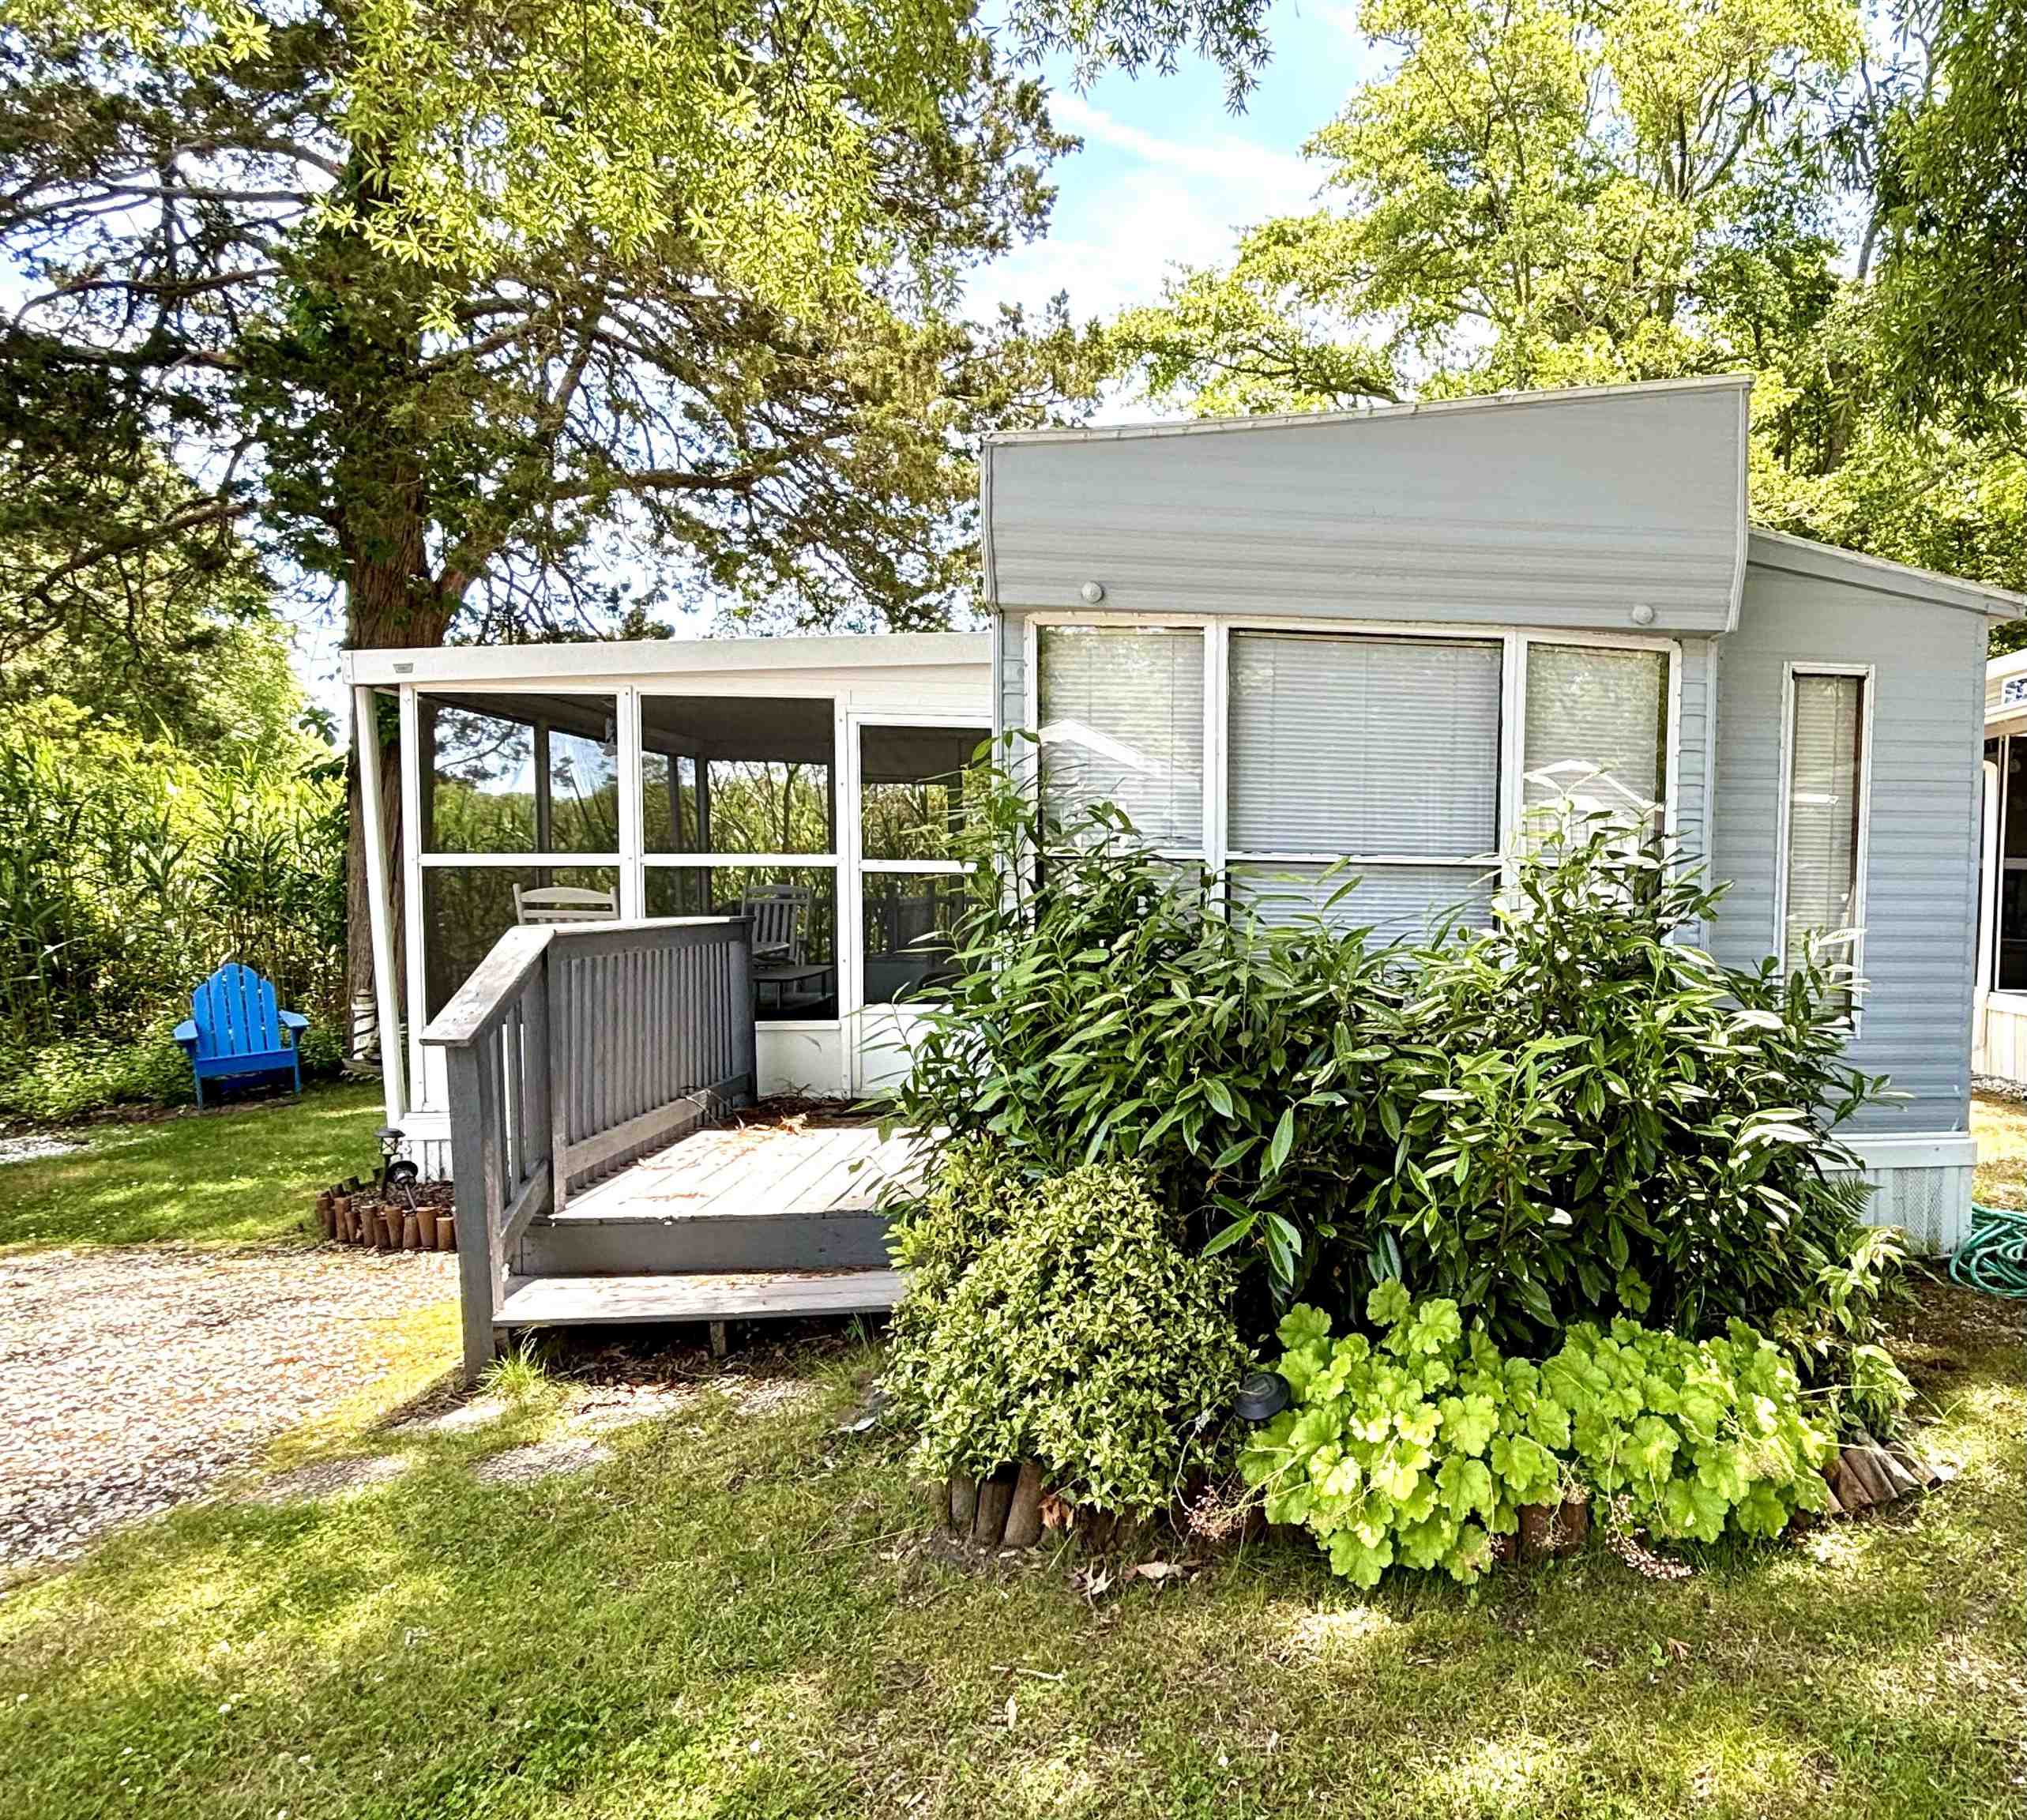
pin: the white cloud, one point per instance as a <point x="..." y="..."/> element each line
<point x="1135" y="204"/>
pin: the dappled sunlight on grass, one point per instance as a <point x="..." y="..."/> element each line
<point x="735" y="1615"/>
<point x="241" y="1175"/>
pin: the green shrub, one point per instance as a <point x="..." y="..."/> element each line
<point x="1573" y="1115"/>
<point x="1592" y="1116"/>
<point x="130" y="867"/>
<point x="1419" y="1448"/>
<point x="67" y="1077"/>
<point x="1059" y="1322"/>
<point x="1102" y="1015"/>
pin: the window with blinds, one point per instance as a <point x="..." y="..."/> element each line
<point x="1825" y="807"/>
<point x="1121" y="714"/>
<point x="1383" y="752"/>
<point x="1596" y="740"/>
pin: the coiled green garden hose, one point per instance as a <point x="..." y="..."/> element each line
<point x="1993" y="1259"/>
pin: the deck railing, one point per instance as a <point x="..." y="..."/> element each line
<point x="571" y="1050"/>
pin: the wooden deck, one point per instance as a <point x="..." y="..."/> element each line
<point x="744" y="1170"/>
<point x="740" y="1223"/>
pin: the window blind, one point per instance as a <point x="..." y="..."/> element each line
<point x="1348" y="745"/>
<point x="1596" y="731"/>
<point x="1121" y="711"/>
<point x="1394" y="902"/>
<point x="1826" y="767"/>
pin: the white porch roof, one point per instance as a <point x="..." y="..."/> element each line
<point x="630" y="660"/>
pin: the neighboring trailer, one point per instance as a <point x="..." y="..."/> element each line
<point x="1999" y="1037"/>
<point x="1385" y="637"/>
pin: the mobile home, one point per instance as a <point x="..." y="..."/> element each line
<point x="1380" y="637"/>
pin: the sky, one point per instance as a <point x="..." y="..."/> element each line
<point x="1166" y="175"/>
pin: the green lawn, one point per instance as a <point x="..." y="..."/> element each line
<point x="240" y="1175"/>
<point x="742" y="1614"/>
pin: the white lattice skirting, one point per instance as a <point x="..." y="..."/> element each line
<point x="1923" y="1183"/>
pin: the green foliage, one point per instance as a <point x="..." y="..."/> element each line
<point x="1953" y="270"/>
<point x="1059" y="1321"/>
<point x="1421" y="1447"/>
<point x="128" y="869"/>
<point x="1551" y="194"/>
<point x="460" y="310"/>
<point x="1573" y="1114"/>
<point x="1591" y="1114"/>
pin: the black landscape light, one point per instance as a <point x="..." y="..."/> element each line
<point x="1262" y="1397"/>
<point x="393" y="1172"/>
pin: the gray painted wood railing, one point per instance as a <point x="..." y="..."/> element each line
<point x="572" y="1050"/>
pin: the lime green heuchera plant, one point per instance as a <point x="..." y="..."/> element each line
<point x="1420" y="1448"/>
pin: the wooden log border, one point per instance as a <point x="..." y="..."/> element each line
<point x="348" y="1212"/>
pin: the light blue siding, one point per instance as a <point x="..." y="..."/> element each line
<point x="1554" y="508"/>
<point x="1922" y="865"/>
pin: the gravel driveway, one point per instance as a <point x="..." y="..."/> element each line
<point x="130" y="1378"/>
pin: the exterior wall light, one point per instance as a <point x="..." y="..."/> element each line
<point x="1093" y="592"/>
<point x="1643" y="614"/>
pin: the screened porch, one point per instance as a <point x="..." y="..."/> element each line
<point x="816" y="787"/>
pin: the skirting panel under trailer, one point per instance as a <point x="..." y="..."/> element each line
<point x="1921" y="1183"/>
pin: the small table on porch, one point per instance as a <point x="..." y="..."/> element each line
<point x="787" y="978"/>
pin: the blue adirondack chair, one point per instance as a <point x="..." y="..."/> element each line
<point x="235" y="1028"/>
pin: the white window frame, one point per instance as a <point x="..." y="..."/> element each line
<point x="1867" y="681"/>
<point x="635" y="827"/>
<point x="417" y="860"/>
<point x="1216" y="630"/>
<point x="1028" y="771"/>
<point x="851" y="815"/>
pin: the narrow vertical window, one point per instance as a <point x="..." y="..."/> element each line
<point x="1824" y="810"/>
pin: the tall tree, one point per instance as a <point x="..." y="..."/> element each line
<point x="1953" y="208"/>
<point x="1556" y="192"/>
<point x="464" y="304"/>
<point x="1540" y="192"/>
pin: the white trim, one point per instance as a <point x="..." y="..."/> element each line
<point x="1438" y="406"/>
<point x="852" y="1007"/>
<point x="524" y="861"/>
<point x="771" y="661"/>
<point x="721" y="861"/>
<point x="1862" y="859"/>
<point x="1216" y="832"/>
<point x="411" y="873"/>
<point x="1513" y="761"/>
<point x="1475" y="862"/>
<point x="633" y="886"/>
<point x="913" y="868"/>
<point x="387" y="1001"/>
<point x="1991" y="801"/>
<point x="1914" y="1150"/>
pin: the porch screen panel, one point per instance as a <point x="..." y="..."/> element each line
<point x="1826" y="772"/>
<point x="1364" y="746"/>
<point x="1596" y="733"/>
<point x="1122" y="713"/>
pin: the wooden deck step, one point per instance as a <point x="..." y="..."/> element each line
<point x="697" y="1295"/>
